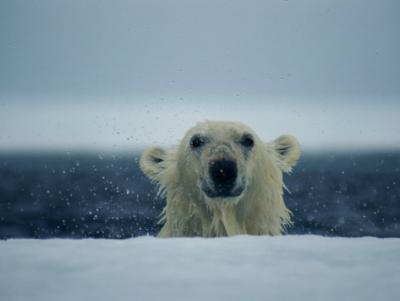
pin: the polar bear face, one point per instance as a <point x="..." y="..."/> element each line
<point x="220" y="162"/>
<point x="219" y="157"/>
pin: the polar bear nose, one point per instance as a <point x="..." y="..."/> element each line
<point x="223" y="173"/>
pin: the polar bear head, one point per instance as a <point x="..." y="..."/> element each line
<point x="220" y="165"/>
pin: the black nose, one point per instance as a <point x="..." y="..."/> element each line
<point x="223" y="173"/>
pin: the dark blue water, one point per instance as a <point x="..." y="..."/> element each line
<point x="89" y="195"/>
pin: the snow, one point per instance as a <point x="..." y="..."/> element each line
<point x="236" y="268"/>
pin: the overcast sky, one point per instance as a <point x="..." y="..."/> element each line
<point x="125" y="74"/>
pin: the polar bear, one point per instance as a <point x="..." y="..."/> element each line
<point x="222" y="180"/>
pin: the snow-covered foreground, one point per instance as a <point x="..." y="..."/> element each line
<point x="236" y="268"/>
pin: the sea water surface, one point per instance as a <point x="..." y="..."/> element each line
<point x="82" y="195"/>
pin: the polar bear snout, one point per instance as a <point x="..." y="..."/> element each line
<point x="223" y="173"/>
<point x="223" y="176"/>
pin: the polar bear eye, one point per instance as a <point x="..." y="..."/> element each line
<point x="197" y="141"/>
<point x="247" y="140"/>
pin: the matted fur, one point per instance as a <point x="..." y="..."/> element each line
<point x="259" y="210"/>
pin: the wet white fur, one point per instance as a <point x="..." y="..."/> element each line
<point x="260" y="210"/>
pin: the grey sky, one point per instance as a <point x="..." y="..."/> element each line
<point x="197" y="55"/>
<point x="124" y="48"/>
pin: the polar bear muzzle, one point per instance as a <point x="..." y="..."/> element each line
<point x="223" y="175"/>
<point x="223" y="183"/>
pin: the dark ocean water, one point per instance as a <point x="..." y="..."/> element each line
<point x="89" y="195"/>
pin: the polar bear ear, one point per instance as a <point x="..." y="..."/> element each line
<point x="152" y="162"/>
<point x="288" y="151"/>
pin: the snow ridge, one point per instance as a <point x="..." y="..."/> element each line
<point x="236" y="268"/>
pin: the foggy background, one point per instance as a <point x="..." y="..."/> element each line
<point x="121" y="75"/>
<point x="86" y="85"/>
